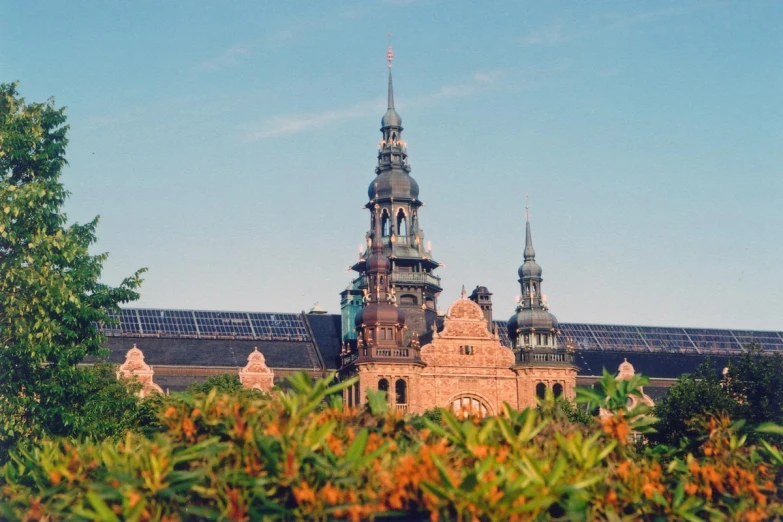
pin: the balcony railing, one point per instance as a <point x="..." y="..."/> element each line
<point x="545" y="358"/>
<point x="391" y="352"/>
<point x="402" y="408"/>
<point x="415" y="277"/>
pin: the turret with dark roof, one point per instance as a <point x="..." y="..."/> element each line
<point x="532" y="326"/>
<point x="394" y="196"/>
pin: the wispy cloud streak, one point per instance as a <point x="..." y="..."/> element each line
<point x="285" y="125"/>
<point x="231" y="57"/>
<point x="559" y="32"/>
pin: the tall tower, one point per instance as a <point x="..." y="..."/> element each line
<point x="394" y="196"/>
<point x="540" y="362"/>
<point x="380" y="357"/>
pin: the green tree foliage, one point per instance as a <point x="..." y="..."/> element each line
<point x="755" y="382"/>
<point x="692" y="397"/>
<point x="51" y="297"/>
<point x="751" y="390"/>
<point x="224" y="383"/>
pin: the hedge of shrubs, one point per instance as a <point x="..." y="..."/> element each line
<point x="289" y="457"/>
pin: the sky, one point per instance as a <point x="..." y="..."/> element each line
<point x="228" y="146"/>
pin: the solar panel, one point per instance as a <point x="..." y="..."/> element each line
<point x="671" y="340"/>
<point x="577" y="335"/>
<point x="766" y="340"/>
<point x="502" y="329"/>
<point x="618" y="338"/>
<point x="209" y="324"/>
<point x="712" y="341"/>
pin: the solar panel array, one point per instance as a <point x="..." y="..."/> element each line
<point x="145" y="322"/>
<point x="607" y="337"/>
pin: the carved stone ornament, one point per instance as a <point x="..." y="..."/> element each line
<point x="256" y="375"/>
<point x="134" y="367"/>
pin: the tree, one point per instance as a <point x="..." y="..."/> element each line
<point x="751" y="390"/>
<point x="691" y="397"/>
<point x="225" y="383"/>
<point x="755" y="381"/>
<point x="51" y="297"/>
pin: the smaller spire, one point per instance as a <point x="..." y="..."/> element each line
<point x="391" y="118"/>
<point x="530" y="254"/>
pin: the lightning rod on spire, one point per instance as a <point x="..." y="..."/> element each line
<point x="389" y="53"/>
<point x="527" y="207"/>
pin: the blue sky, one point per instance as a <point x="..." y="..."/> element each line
<point x="228" y="146"/>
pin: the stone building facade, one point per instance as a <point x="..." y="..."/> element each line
<point x="420" y="358"/>
<point x="464" y="365"/>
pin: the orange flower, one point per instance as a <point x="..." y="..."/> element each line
<point x="330" y="494"/>
<point x="304" y="494"/>
<point x="611" y="497"/>
<point x="622" y="469"/>
<point x="55" y="476"/>
<point x="187" y="427"/>
<point x="691" y="488"/>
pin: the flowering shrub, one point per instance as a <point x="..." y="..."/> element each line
<point x="286" y="457"/>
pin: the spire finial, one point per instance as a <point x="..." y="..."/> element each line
<point x="464" y="293"/>
<point x="527" y="207"/>
<point x="389" y="58"/>
<point x="389" y="52"/>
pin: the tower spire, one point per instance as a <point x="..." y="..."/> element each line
<point x="530" y="254"/>
<point x="389" y="58"/>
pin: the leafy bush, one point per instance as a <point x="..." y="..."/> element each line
<point x="240" y="457"/>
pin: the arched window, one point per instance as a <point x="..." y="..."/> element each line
<point x="402" y="225"/>
<point x="408" y="299"/>
<point x="540" y="390"/>
<point x="557" y="389"/>
<point x="385" y="224"/>
<point x="401" y="387"/>
<point x="383" y="385"/>
<point x="356" y="400"/>
<point x="468" y="405"/>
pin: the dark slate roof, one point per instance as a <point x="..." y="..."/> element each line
<point x="214" y="352"/>
<point x="313" y="341"/>
<point x="661" y="365"/>
<point x="326" y="330"/>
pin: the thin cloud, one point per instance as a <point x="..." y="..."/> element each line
<point x="559" y="33"/>
<point x="231" y="57"/>
<point x="286" y="125"/>
<point x="551" y="35"/>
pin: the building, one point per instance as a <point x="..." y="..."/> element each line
<point x="389" y="333"/>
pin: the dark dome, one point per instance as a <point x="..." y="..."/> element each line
<point x="529" y="269"/>
<point x="391" y="119"/>
<point x="393" y="183"/>
<point x="538" y="319"/>
<point x="378" y="262"/>
<point x="381" y="313"/>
